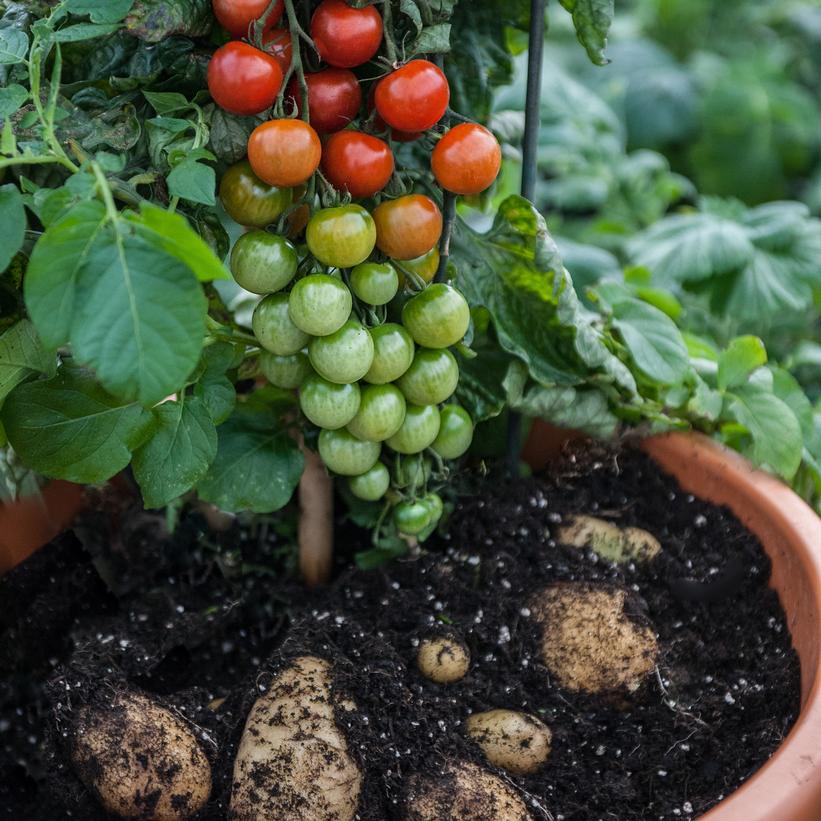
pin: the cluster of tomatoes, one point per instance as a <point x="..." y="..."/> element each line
<point x="352" y="318"/>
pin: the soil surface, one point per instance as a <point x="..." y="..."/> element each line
<point x="202" y="620"/>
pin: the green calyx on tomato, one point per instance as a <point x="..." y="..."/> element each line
<point x="375" y="282"/>
<point x="380" y="415"/>
<point x="431" y="378"/>
<point x="263" y="263"/>
<point x="455" y="432"/>
<point x="250" y="201"/>
<point x="341" y="237"/>
<point x="372" y="485"/>
<point x="392" y="353"/>
<point x="419" y="428"/>
<point x="327" y="404"/>
<point x="286" y="372"/>
<point x="273" y="326"/>
<point x="346" y="455"/>
<point x="320" y="304"/>
<point x="343" y="356"/>
<point x="438" y="317"/>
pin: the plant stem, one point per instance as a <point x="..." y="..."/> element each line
<point x="25" y="159"/>
<point x="390" y="45"/>
<point x="449" y="207"/>
<point x="296" y="66"/>
<point x="105" y="191"/>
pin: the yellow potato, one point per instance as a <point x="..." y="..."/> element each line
<point x="293" y="762"/>
<point x="140" y="759"/>
<point x="443" y="659"/>
<point x="514" y="741"/>
<point x="588" y="642"/>
<point x="608" y="540"/>
<point x="464" y="792"/>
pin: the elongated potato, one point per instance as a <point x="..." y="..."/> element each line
<point x="514" y="741"/>
<point x="141" y="760"/>
<point x="293" y="762"/>
<point x="608" y="540"/>
<point x="463" y="792"/>
<point x="443" y="659"/>
<point x="588" y="641"/>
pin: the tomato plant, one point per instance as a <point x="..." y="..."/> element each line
<point x="392" y="353"/>
<point x="467" y="159"/>
<point x="357" y="163"/>
<point x="341" y="237"/>
<point x="284" y="153"/>
<point x="346" y="455"/>
<point x="248" y="199"/>
<point x="431" y="378"/>
<point x="375" y="282"/>
<point x="438" y="317"/>
<point x="238" y="15"/>
<point x="242" y="79"/>
<point x="273" y="327"/>
<point x="319" y="304"/>
<point x="455" y="432"/>
<point x="263" y="262"/>
<point x="286" y="372"/>
<point x="278" y="43"/>
<point x="346" y="36"/>
<point x="334" y="98"/>
<point x="414" y="97"/>
<point x="380" y="415"/>
<point x="343" y="356"/>
<point x="407" y="227"/>
<point x="329" y="405"/>
<point x="419" y="428"/>
<point x="372" y="485"/>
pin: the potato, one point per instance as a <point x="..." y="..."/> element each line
<point x="463" y="792"/>
<point x="141" y="760"/>
<point x="443" y="659"/>
<point x="293" y="762"/>
<point x="516" y="742"/>
<point x="588" y="642"/>
<point x="608" y="540"/>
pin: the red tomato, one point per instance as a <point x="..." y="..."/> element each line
<point x="380" y="126"/>
<point x="237" y="15"/>
<point x="334" y="98"/>
<point x="242" y="79"/>
<point x="345" y="36"/>
<point x="284" y="153"/>
<point x="277" y="43"/>
<point x="407" y="227"/>
<point x="414" y="97"/>
<point x="467" y="159"/>
<point x="359" y="162"/>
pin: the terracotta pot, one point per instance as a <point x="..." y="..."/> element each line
<point x="788" y="786"/>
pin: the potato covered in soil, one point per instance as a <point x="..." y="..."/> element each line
<point x="293" y="762"/>
<point x="608" y="540"/>
<point x="443" y="659"/>
<point x="514" y="741"/>
<point x="140" y="759"/>
<point x="463" y="792"/>
<point x="588" y="642"/>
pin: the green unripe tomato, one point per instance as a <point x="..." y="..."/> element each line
<point x="418" y="430"/>
<point x="425" y="267"/>
<point x="286" y="372"/>
<point x="274" y="329"/>
<point x="411" y="517"/>
<point x="438" y="317"/>
<point x="375" y="282"/>
<point x="413" y="471"/>
<point x="320" y="304"/>
<point x="346" y="455"/>
<point x="263" y="263"/>
<point x="343" y="356"/>
<point x="341" y="237"/>
<point x="381" y="413"/>
<point x="455" y="432"/>
<point x="433" y="502"/>
<point x="392" y="353"/>
<point x="372" y="485"/>
<point x="327" y="404"/>
<point x="431" y="378"/>
<point x="250" y="201"/>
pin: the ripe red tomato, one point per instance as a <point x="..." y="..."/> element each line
<point x="380" y="126"/>
<point x="414" y="97"/>
<point x="284" y="153"/>
<point x="407" y="227"/>
<point x="277" y="43"/>
<point x="242" y="79"/>
<point x="334" y="97"/>
<point x="345" y="36"/>
<point x="467" y="159"/>
<point x="237" y="15"/>
<point x="359" y="162"/>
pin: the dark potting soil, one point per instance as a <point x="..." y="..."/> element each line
<point x="198" y="620"/>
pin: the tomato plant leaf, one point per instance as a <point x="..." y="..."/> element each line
<point x="229" y="135"/>
<point x="213" y="387"/>
<point x="12" y="98"/>
<point x="84" y="31"/>
<point x="101" y="11"/>
<point x="193" y="181"/>
<point x="22" y="355"/>
<point x="480" y="388"/>
<point x="592" y="19"/>
<point x="68" y="427"/>
<point x="742" y="356"/>
<point x="154" y="20"/>
<point x="178" y="454"/>
<point x="13" y="220"/>
<point x="257" y="467"/>
<point x="14" y="45"/>
<point x="433" y="40"/>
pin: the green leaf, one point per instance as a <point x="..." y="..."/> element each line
<point x="257" y="467"/>
<point x="13" y="222"/>
<point x="480" y="388"/>
<point x="743" y="355"/>
<point x="411" y="10"/>
<point x="155" y="20"/>
<point x="433" y="40"/>
<point x="214" y="388"/>
<point x="193" y="181"/>
<point x="229" y="135"/>
<point x="167" y="102"/>
<point x="84" y="31"/>
<point x="775" y="432"/>
<point x="14" y="45"/>
<point x="68" y="427"/>
<point x="22" y="355"/>
<point x="133" y="312"/>
<point x="592" y="19"/>
<point x="654" y="341"/>
<point x="178" y="454"/>
<point x="705" y="403"/>
<point x="173" y="233"/>
<point x="101" y="11"/>
<point x="12" y="98"/>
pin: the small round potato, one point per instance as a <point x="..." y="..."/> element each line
<point x="516" y="742"/>
<point x="588" y="642"/>
<point x="293" y="762"/>
<point x="463" y="792"/>
<point x="443" y="659"/>
<point x="140" y="759"/>
<point x="608" y="540"/>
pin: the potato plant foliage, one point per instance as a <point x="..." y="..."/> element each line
<point x="124" y="339"/>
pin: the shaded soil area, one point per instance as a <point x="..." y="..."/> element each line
<point x="202" y="620"/>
